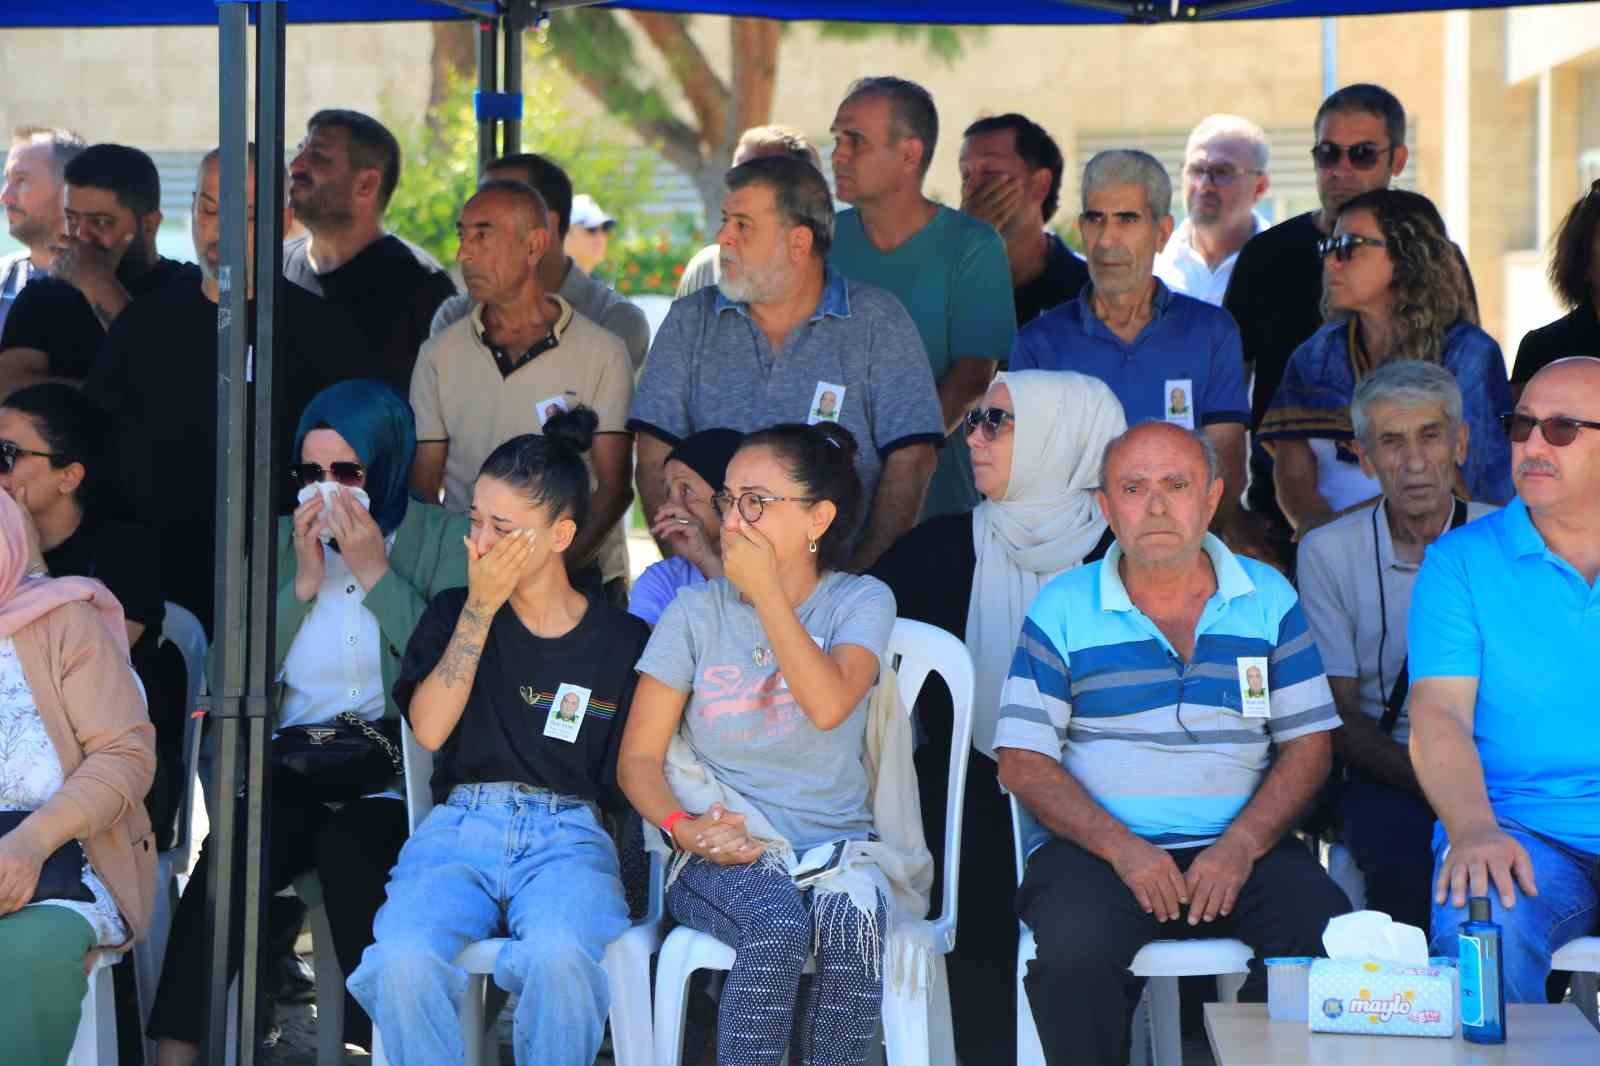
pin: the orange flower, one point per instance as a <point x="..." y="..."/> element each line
<point x="677" y="270"/>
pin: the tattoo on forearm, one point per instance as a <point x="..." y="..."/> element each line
<point x="460" y="660"/>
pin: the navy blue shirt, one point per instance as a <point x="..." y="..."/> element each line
<point x="1185" y="366"/>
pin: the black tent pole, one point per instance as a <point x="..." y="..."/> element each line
<point x="488" y="84"/>
<point x="513" y="26"/>
<point x="266" y="491"/>
<point x="228" y="623"/>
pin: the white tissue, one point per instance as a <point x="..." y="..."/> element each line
<point x="1373" y="934"/>
<point x="327" y="489"/>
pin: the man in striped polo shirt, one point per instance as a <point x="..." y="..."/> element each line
<point x="1164" y="786"/>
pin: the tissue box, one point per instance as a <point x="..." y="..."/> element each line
<point x="1382" y="999"/>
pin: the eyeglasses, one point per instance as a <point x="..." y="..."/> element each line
<point x="346" y="474"/>
<point x="1363" y="156"/>
<point x="988" y="419"/>
<point x="10" y="451"/>
<point x="1559" y="430"/>
<point x="752" y="504"/>
<point x="1221" y="176"/>
<point x="1344" y="245"/>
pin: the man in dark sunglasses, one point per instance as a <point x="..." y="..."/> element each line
<point x="1275" y="294"/>
<point x="1502" y="639"/>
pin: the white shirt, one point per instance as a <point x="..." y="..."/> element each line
<point x="334" y="664"/>
<point x="1182" y="269"/>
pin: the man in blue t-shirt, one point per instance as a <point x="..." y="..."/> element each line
<point x="1504" y="626"/>
<point x="947" y="268"/>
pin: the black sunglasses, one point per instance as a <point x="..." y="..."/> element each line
<point x="346" y="474"/>
<point x="1559" y="430"/>
<point x="10" y="451"/>
<point x="1344" y="245"/>
<point x="988" y="419"/>
<point x="1363" y="156"/>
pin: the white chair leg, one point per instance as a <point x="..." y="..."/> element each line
<point x="1584" y="991"/>
<point x="330" y="990"/>
<point x="672" y="990"/>
<point x="96" y="1040"/>
<point x="472" y="1018"/>
<point x="1029" y="1051"/>
<point x="628" y="974"/>
<point x="905" y="1024"/>
<point x="1166" y="1034"/>
<point x="149" y="953"/>
<point x="941" y="1024"/>
<point x="1228" y="985"/>
<point x="1139" y="1032"/>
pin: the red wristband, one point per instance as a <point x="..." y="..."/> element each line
<point x="671" y="820"/>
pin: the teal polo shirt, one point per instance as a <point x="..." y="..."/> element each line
<point x="1493" y="602"/>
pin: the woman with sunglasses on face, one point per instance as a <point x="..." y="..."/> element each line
<point x="521" y="684"/>
<point x="1575" y="277"/>
<point x="760" y="680"/>
<point x="688" y="524"/>
<point x="1036" y="444"/>
<point x="1393" y="288"/>
<point x="53" y="463"/>
<point x="358" y="562"/>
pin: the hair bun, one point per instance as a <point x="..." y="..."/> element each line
<point x="574" y="428"/>
<point x="839" y="437"/>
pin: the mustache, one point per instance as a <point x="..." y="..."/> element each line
<point x="1537" y="466"/>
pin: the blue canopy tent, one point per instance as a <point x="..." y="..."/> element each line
<point x="243" y="681"/>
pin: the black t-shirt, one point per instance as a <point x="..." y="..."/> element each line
<point x="1275" y="295"/>
<point x="390" y="290"/>
<point x="1575" y="333"/>
<point x="1064" y="277"/>
<point x="157" y="377"/>
<point x="519" y="693"/>
<point x="120" y="555"/>
<point x="54" y="317"/>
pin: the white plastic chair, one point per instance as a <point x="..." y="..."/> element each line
<point x="182" y="628"/>
<point x="1157" y="1023"/>
<point x="627" y="959"/>
<point x="916" y="1026"/>
<point x="96" y="1042"/>
<point x="1582" y="958"/>
<point x="1342" y="868"/>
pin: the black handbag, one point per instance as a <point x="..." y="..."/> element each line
<point x="62" y="874"/>
<point x="338" y="761"/>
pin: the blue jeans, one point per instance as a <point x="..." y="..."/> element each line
<point x="497" y="860"/>
<point x="1567" y="907"/>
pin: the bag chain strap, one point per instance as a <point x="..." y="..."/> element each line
<point x="384" y="744"/>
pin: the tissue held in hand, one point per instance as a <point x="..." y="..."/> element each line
<point x="1377" y="981"/>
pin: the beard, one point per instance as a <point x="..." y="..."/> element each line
<point x="754" y="284"/>
<point x="322" y="204"/>
<point x="30" y="230"/>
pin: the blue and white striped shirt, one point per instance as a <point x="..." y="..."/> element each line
<point x="1161" y="744"/>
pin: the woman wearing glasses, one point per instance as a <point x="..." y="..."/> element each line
<point x="1036" y="446"/>
<point x="1575" y="277"/>
<point x="53" y="463"/>
<point x="760" y="681"/>
<point x="357" y="563"/>
<point x="1393" y="288"/>
<point x="688" y="524"/>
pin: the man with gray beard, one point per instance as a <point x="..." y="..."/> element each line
<point x="780" y="331"/>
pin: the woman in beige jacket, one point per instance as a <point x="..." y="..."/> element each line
<point x="77" y="752"/>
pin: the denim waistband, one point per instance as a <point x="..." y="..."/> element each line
<point x="513" y="794"/>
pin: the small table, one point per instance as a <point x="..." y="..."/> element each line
<point x="1537" y="1034"/>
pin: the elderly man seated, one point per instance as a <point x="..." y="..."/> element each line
<point x="1356" y="576"/>
<point x="1127" y="729"/>
<point x="1504" y="628"/>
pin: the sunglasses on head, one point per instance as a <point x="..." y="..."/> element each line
<point x="1363" y="156"/>
<point x="11" y="451"/>
<point x="988" y="419"/>
<point x="345" y="473"/>
<point x="1559" y="430"/>
<point x="1344" y="245"/>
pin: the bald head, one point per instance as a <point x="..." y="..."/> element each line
<point x="1169" y="436"/>
<point x="506" y="200"/>
<point x="1159" y="489"/>
<point x="1561" y="481"/>
<point x="1582" y="371"/>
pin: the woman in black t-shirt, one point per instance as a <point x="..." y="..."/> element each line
<point x="1575" y="277"/>
<point x="1036" y="442"/>
<point x="52" y="462"/>
<point x="522" y="686"/>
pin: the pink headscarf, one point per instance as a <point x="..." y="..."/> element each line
<point x="26" y="599"/>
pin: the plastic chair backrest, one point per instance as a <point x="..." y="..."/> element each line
<point x="917" y="649"/>
<point x="1021" y="822"/>
<point x="419" y="777"/>
<point x="182" y="628"/>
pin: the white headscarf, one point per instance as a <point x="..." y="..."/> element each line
<point x="1046" y="522"/>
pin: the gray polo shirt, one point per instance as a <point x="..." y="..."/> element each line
<point x="594" y="300"/>
<point x="858" y="360"/>
<point x="1339" y="568"/>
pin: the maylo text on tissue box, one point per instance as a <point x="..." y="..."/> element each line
<point x="1378" y="998"/>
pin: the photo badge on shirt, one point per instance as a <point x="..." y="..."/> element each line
<point x="566" y="713"/>
<point x="553" y="406"/>
<point x="1253" y="699"/>
<point x="826" y="403"/>
<point x="1177" y="400"/>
